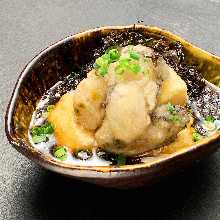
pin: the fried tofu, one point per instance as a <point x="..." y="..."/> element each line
<point x="173" y="89"/>
<point x="67" y="132"/>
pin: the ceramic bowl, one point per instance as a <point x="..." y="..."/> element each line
<point x="56" y="62"/>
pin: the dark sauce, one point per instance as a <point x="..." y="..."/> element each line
<point x="203" y="100"/>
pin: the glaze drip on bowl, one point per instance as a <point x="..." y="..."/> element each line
<point x="161" y="53"/>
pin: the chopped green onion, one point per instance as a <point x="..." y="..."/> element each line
<point x="209" y="118"/>
<point x="121" y="160"/>
<point x="40" y="133"/>
<point x="38" y="139"/>
<point x="124" y="62"/>
<point x="60" y="153"/>
<point x="196" y="136"/>
<point x="102" y="63"/>
<point x="106" y="58"/>
<point x="135" y="68"/>
<point x="114" y="55"/>
<point x="134" y="55"/>
<point x="171" y="108"/>
<point x="103" y="70"/>
<point x="122" y="66"/>
<point x="46" y="128"/>
<point x="175" y="119"/>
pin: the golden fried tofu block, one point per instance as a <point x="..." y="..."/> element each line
<point x="173" y="89"/>
<point x="67" y="132"/>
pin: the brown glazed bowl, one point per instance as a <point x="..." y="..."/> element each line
<point x="56" y="62"/>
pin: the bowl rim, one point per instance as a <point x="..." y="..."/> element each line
<point x="46" y="161"/>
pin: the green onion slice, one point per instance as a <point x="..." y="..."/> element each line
<point x="134" y="55"/>
<point x="60" y="153"/>
<point x="121" y="160"/>
<point x="196" y="136"/>
<point x="41" y="133"/>
<point x="171" y="108"/>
